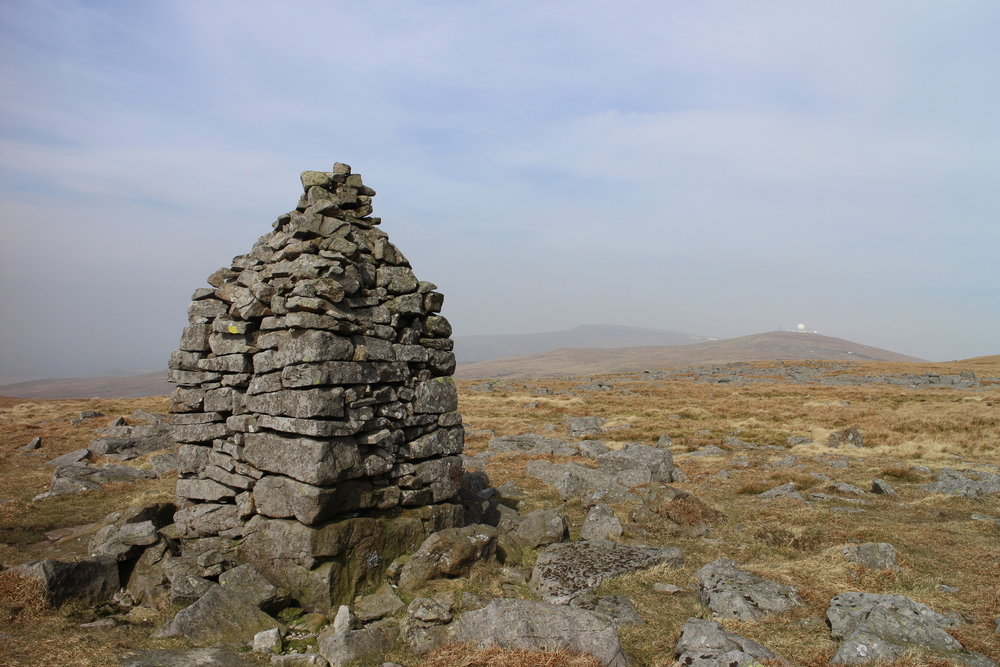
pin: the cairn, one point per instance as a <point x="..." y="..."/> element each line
<point x="313" y="382"/>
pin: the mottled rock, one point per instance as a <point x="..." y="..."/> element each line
<point x="527" y="625"/>
<point x="875" y="555"/>
<point x="563" y="571"/>
<point x="707" y="644"/>
<point x="732" y="593"/>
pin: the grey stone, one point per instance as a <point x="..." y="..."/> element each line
<point x="783" y="491"/>
<point x="69" y="459"/>
<point x="601" y="524"/>
<point x="342" y="645"/>
<point x="709" y="450"/>
<point x="206" y="519"/>
<point x="563" y="571"/>
<point x="882" y="487"/>
<point x="219" y="616"/>
<point x="543" y="527"/>
<point x="581" y="426"/>
<point x="318" y="462"/>
<point x="616" y="608"/>
<point x="192" y="657"/>
<point x="885" y="627"/>
<point x="91" y="581"/>
<point x="187" y="588"/>
<point x="875" y="555"/>
<point x="844" y="487"/>
<point x="533" y="443"/>
<point x="707" y="644"/>
<point x="635" y="464"/>
<point x="299" y="403"/>
<point x="437" y="395"/>
<point x="848" y="437"/>
<point x="732" y="593"/>
<point x="32" y="445"/>
<point x="299" y="660"/>
<point x="450" y="552"/>
<point x="381" y="603"/>
<point x="525" y="624"/>
<point x="571" y="479"/>
<point x="968" y="484"/>
<point x="592" y="448"/>
<point x="267" y="641"/>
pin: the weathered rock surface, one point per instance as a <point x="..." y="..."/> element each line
<point x="525" y="624"/>
<point x="343" y="642"/>
<point x="91" y="580"/>
<point x="732" y="593"/>
<point x="381" y="603"/>
<point x="223" y="615"/>
<point x="707" y="644"/>
<point x="450" y="552"/>
<point x="968" y="484"/>
<point x="885" y="627"/>
<point x="848" y="437"/>
<point x="616" y="608"/>
<point x="875" y="555"/>
<point x="194" y="657"/>
<point x="601" y="524"/>
<point x="563" y="571"/>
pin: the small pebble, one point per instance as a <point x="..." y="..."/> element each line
<point x="666" y="589"/>
<point x="944" y="588"/>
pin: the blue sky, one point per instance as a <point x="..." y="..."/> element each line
<point x="721" y="168"/>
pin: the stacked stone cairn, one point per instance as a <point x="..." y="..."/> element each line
<point x="313" y="383"/>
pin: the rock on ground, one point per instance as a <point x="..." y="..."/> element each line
<point x="229" y="612"/>
<point x="885" y="627"/>
<point x="563" y="571"/>
<point x="451" y="552"/>
<point x="707" y="644"/>
<point x="970" y="484"/>
<point x="732" y="593"/>
<point x="194" y="657"/>
<point x="92" y="580"/>
<point x="527" y="625"/>
<point x="876" y="555"/>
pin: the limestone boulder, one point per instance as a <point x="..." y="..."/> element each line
<point x="732" y="593"/>
<point x="882" y="628"/>
<point x="563" y="571"/>
<point x="706" y="643"/>
<point x="91" y="581"/>
<point x="527" y="625"/>
<point x="450" y="552"/>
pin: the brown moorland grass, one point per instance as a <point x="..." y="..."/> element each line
<point x="785" y="540"/>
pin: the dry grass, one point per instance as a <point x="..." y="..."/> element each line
<point x="785" y="540"/>
<point x="471" y="655"/>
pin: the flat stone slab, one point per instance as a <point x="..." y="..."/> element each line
<point x="732" y="593"/>
<point x="526" y="624"/>
<point x="563" y="571"/>
<point x="707" y="644"/>
<point x="195" y="657"/>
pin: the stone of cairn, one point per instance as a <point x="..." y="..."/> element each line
<point x="314" y="377"/>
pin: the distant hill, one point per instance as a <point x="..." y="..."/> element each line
<point x="771" y="346"/>
<point x="133" y="386"/>
<point x="471" y="349"/>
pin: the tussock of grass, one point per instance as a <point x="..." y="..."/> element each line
<point x="21" y="598"/>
